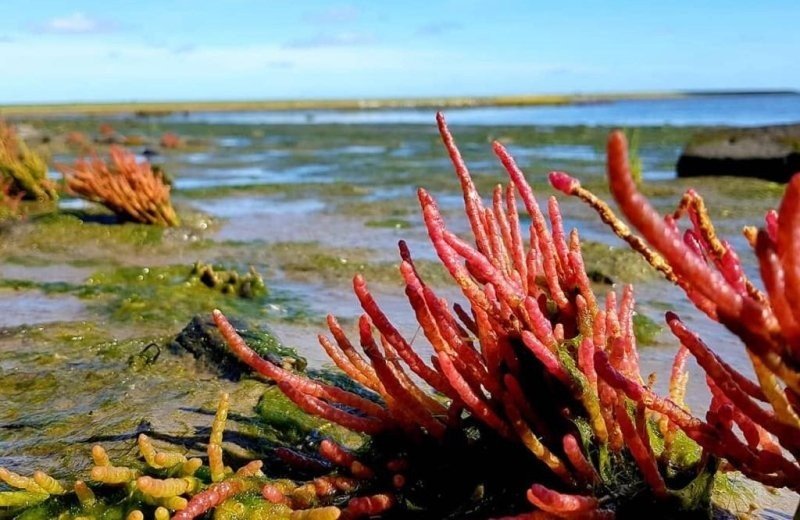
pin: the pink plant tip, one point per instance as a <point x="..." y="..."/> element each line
<point x="563" y="182"/>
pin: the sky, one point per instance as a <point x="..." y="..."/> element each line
<point x="93" y="50"/>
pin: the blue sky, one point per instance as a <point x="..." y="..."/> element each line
<point x="90" y="50"/>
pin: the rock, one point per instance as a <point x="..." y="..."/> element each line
<point x="249" y="285"/>
<point x="770" y="152"/>
<point x="202" y="339"/>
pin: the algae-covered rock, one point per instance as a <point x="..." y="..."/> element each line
<point x="202" y="339"/>
<point x="247" y="285"/>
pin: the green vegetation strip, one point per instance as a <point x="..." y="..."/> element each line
<point x="320" y="104"/>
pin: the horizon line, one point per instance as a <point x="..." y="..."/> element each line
<point x="153" y="107"/>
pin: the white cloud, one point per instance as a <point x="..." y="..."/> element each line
<point x="76" y="23"/>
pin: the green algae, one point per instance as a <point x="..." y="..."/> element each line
<point x="164" y="294"/>
<point x="20" y="499"/>
<point x="46" y="287"/>
<point x="732" y="493"/>
<point x="57" y="232"/>
<point x="608" y="264"/>
<point x="251" y="506"/>
<point x="95" y="238"/>
<point x="645" y="330"/>
<point x="40" y="261"/>
<point x="684" y="452"/>
<point x="313" y="261"/>
<point x="293" y="190"/>
<point x="115" y="505"/>
<point x="170" y="295"/>
<point x="79" y="335"/>
<point x="379" y="209"/>
<point x="282" y="423"/>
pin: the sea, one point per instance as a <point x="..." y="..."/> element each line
<point x="695" y="110"/>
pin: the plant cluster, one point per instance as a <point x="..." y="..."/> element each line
<point x="79" y="142"/>
<point x="171" y="141"/>
<point x="536" y="362"/>
<point x="107" y="134"/>
<point x="767" y="321"/>
<point x="166" y="484"/>
<point x="22" y="171"/>
<point x="131" y="189"/>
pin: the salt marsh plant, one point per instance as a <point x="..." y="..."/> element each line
<point x="526" y="373"/>
<point x="133" y="190"/>
<point x="23" y="170"/>
<point x="165" y="484"/>
<point x="710" y="272"/>
<point x="171" y="141"/>
<point x="79" y="142"/>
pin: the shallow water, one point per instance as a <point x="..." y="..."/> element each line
<point x="734" y="110"/>
<point x="33" y="308"/>
<point x="247" y="207"/>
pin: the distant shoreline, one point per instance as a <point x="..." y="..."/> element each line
<point x="156" y="108"/>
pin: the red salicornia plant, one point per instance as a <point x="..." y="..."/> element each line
<point x="133" y="190"/>
<point x="79" y="141"/>
<point x="171" y="141"/>
<point x="517" y="397"/>
<point x="766" y="320"/>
